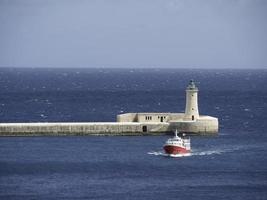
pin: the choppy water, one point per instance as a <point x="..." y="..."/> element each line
<point x="232" y="165"/>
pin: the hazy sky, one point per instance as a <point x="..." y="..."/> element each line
<point x="133" y="33"/>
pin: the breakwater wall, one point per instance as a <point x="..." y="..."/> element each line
<point x="204" y="126"/>
<point x="127" y="123"/>
<point x="98" y="128"/>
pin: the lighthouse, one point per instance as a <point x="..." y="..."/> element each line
<point x="191" y="109"/>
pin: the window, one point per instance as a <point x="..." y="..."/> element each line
<point x="148" y="117"/>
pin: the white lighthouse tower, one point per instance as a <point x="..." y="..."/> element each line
<point x="191" y="109"/>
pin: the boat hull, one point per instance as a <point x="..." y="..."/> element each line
<point x="172" y="149"/>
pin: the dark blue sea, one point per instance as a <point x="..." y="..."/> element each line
<point x="232" y="165"/>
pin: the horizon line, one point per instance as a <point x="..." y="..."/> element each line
<point x="119" y="67"/>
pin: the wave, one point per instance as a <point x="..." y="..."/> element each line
<point x="194" y="152"/>
<point x="161" y="153"/>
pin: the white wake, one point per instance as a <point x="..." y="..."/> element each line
<point x="201" y="152"/>
<point x="193" y="153"/>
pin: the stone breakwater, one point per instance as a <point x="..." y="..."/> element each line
<point x="127" y="123"/>
<point x="107" y="128"/>
<point x="98" y="128"/>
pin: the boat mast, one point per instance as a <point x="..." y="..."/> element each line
<point x="176" y="133"/>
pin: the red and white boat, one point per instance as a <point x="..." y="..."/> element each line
<point x="177" y="145"/>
